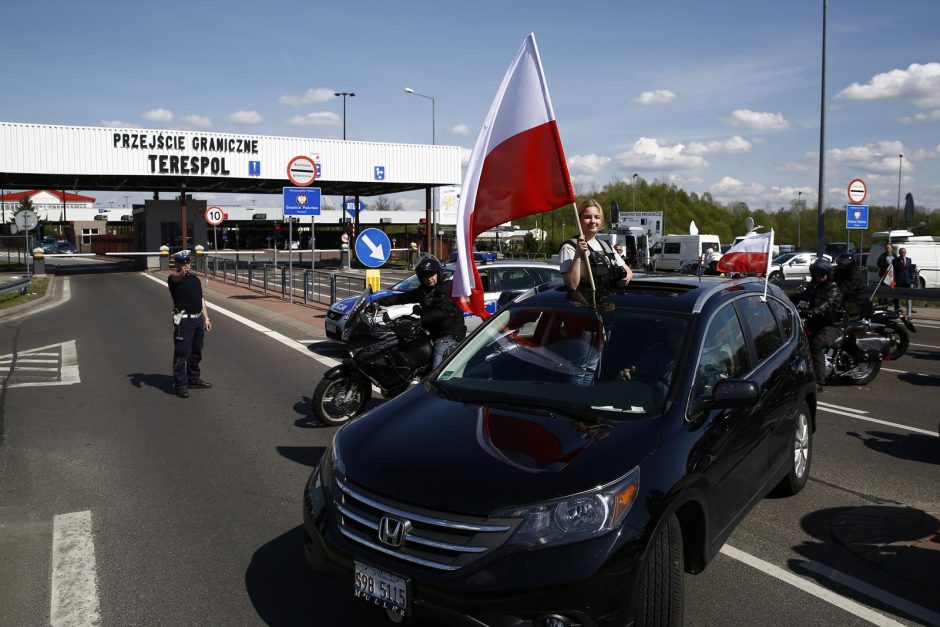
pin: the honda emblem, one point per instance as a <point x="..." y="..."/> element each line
<point x="392" y="531"/>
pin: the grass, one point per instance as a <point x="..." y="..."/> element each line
<point x="37" y="289"/>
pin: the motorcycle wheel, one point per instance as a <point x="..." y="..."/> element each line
<point x="337" y="401"/>
<point x="898" y="338"/>
<point x="864" y="372"/>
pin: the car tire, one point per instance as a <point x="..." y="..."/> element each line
<point x="661" y="598"/>
<point x="802" y="451"/>
<point x="775" y="277"/>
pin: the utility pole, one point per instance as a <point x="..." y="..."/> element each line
<point x="820" y="215"/>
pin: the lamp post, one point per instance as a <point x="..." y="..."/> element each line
<point x="344" y="94"/>
<point x="633" y="187"/>
<point x="409" y="90"/>
<point x="799" y="199"/>
<point x="897" y="211"/>
<point x="432" y="221"/>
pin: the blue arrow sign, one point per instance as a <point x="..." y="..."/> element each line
<point x="856" y="217"/>
<point x="351" y="208"/>
<point x="301" y="201"/>
<point x="373" y="248"/>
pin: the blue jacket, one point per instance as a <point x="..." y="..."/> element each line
<point x="903" y="271"/>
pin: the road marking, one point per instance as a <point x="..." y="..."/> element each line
<point x="928" y="617"/>
<point x="74" y="577"/>
<point x="880" y="422"/>
<point x="283" y="339"/>
<point x="810" y="587"/>
<point x="857" y="411"/>
<point x="67" y="370"/>
<point x="925" y="345"/>
<point x="916" y="374"/>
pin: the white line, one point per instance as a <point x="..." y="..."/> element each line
<point x="74" y="577"/>
<point x="283" y="339"/>
<point x="28" y="361"/>
<point x="857" y="411"/>
<point x="912" y="609"/>
<point x="925" y="345"/>
<point x="810" y="587"/>
<point x="36" y="369"/>
<point x="880" y="422"/>
<point x="916" y="374"/>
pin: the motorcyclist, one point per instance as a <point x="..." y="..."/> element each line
<point x="822" y="312"/>
<point x="440" y="315"/>
<point x="852" y="283"/>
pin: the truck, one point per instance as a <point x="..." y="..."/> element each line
<point x="672" y="251"/>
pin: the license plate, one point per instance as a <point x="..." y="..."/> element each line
<point x="330" y="327"/>
<point x="381" y="587"/>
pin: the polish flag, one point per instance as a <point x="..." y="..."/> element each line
<point x="751" y="255"/>
<point x="517" y="167"/>
<point x="889" y="276"/>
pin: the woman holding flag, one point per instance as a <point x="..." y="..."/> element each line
<point x="608" y="269"/>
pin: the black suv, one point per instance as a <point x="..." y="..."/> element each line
<point x="572" y="458"/>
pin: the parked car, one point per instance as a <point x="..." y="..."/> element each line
<point x="514" y="276"/>
<point x="64" y="248"/>
<point x="792" y="266"/>
<point x="48" y="245"/>
<point x="571" y="458"/>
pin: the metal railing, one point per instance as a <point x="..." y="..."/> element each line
<point x="20" y="285"/>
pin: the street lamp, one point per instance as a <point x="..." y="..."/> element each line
<point x="409" y="90"/>
<point x="633" y="187"/>
<point x="344" y="94"/>
<point x="897" y="212"/>
<point x="799" y="199"/>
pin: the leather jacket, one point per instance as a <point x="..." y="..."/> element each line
<point x="825" y="304"/>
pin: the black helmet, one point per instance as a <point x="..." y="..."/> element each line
<point x="428" y="267"/>
<point x="820" y="267"/>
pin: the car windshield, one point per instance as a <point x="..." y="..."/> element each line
<point x="411" y="283"/>
<point x="605" y="364"/>
<point x="785" y="257"/>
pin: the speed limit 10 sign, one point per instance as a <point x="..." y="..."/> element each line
<point x="215" y="216"/>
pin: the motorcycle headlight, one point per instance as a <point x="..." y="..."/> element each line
<point x="577" y="517"/>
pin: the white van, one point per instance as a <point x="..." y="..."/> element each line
<point x="672" y="251"/>
<point x="922" y="250"/>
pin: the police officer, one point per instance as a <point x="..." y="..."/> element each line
<point x="190" y="324"/>
<point x="824" y="310"/>
<point x="440" y="315"/>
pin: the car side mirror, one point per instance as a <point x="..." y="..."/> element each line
<point x="734" y="394"/>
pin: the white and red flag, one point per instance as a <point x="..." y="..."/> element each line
<point x="889" y="276"/>
<point x="517" y="167"/>
<point x="751" y="254"/>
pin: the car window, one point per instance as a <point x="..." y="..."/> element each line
<point x="485" y="280"/>
<point x="762" y="325"/>
<point x="724" y="352"/>
<point x="512" y="279"/>
<point x="543" y="275"/>
<point x="784" y="316"/>
<point x="411" y="282"/>
<point x="672" y="248"/>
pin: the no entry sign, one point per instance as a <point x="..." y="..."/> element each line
<point x="302" y="171"/>
<point x="858" y="191"/>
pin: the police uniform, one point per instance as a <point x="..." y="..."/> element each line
<point x="190" y="324"/>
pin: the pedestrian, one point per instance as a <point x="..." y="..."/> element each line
<point x="884" y="262"/>
<point x="903" y="272"/>
<point x="190" y="325"/>
<point x="607" y="268"/>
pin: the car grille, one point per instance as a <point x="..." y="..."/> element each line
<point x="438" y="541"/>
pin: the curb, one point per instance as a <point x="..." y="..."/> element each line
<point x="17" y="310"/>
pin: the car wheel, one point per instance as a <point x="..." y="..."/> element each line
<point x="661" y="598"/>
<point x="776" y="277"/>
<point x="802" y="453"/>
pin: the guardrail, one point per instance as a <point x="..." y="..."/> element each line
<point x="20" y="285"/>
<point x="303" y="284"/>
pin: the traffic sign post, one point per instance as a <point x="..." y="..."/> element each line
<point x="301" y="201"/>
<point x="301" y="171"/>
<point x="856" y="217"/>
<point x="858" y="191"/>
<point x="215" y="216"/>
<point x="373" y="248"/>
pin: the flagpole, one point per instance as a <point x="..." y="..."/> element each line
<point x="587" y="262"/>
<point x="770" y="251"/>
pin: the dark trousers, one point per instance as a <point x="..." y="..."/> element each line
<point x="819" y="342"/>
<point x="897" y="303"/>
<point x="188" y="337"/>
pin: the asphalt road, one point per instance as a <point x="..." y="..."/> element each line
<point x="191" y="508"/>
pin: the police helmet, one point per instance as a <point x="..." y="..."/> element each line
<point x="428" y="267"/>
<point x="820" y="267"/>
<point x="183" y="256"/>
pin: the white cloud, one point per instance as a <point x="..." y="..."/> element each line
<point x="745" y="118"/>
<point x="799" y="168"/>
<point x="460" y="129"/>
<point x="929" y="153"/>
<point x="648" y="153"/>
<point x="158" y="115"/>
<point x="587" y="164"/>
<point x="317" y="118"/>
<point x="734" y="145"/>
<point x="118" y="124"/>
<point x="918" y="83"/>
<point x="658" y="96"/>
<point x="920" y="118"/>
<point x="245" y="117"/>
<point x="319" y="94"/>
<point x="684" y="182"/>
<point x="875" y="157"/>
<point x="198" y="121"/>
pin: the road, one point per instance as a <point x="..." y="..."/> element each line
<point x="121" y="501"/>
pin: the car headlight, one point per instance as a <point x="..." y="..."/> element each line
<point x="577" y="517"/>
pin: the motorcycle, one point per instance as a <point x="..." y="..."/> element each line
<point x="387" y="353"/>
<point x="896" y="325"/>
<point x="856" y="355"/>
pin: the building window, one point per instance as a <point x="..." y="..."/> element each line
<point x="86" y="236"/>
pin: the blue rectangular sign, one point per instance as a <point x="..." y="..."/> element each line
<point x="856" y="217"/>
<point x="301" y="201"/>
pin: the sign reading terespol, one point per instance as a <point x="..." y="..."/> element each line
<point x="198" y="163"/>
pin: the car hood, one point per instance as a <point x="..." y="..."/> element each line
<point x="449" y="456"/>
<point x="342" y="306"/>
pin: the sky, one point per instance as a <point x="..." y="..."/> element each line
<point x="720" y="97"/>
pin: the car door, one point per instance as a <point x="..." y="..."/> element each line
<point x="731" y="452"/>
<point x="798" y="267"/>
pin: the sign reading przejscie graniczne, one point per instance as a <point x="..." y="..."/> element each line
<point x="204" y="157"/>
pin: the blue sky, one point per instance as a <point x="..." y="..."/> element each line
<point x="718" y="96"/>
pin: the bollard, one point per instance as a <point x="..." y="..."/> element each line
<point x="374" y="279"/>
<point x="344" y="257"/>
<point x="39" y="262"/>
